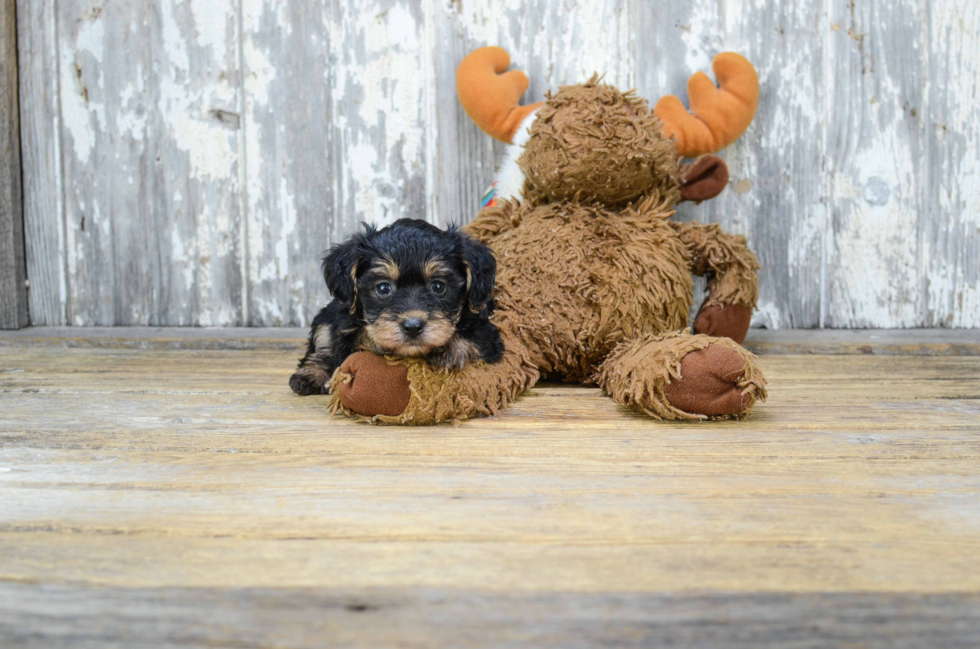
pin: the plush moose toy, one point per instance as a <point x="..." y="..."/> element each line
<point x="594" y="280"/>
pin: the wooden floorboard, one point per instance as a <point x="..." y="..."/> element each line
<point x="184" y="497"/>
<point x="60" y="617"/>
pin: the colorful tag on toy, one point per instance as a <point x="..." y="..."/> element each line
<point x="487" y="199"/>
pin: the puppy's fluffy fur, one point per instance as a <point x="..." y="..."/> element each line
<point x="409" y="289"/>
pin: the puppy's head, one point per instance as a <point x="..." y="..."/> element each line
<point x="411" y="284"/>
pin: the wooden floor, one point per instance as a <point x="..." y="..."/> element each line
<point x="162" y="490"/>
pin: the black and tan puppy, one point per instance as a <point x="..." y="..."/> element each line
<point x="409" y="289"/>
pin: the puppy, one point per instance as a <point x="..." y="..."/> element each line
<point x="409" y="289"/>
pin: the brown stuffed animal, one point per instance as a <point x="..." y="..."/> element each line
<point x="594" y="279"/>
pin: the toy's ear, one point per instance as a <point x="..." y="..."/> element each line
<point x="340" y="270"/>
<point x="481" y="272"/>
<point x="705" y="178"/>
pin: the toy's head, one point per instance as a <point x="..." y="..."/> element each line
<point x="591" y="142"/>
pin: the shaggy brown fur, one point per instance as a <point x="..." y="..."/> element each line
<point x="594" y="280"/>
<point x="582" y="122"/>
<point x="725" y="259"/>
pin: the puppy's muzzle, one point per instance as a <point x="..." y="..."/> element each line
<point x="412" y="327"/>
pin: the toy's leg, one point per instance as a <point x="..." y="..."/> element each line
<point x="683" y="376"/>
<point x="409" y="391"/>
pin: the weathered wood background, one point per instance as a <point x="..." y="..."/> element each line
<point x="13" y="294"/>
<point x="186" y="162"/>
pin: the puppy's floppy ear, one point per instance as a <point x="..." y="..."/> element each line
<point x="481" y="272"/>
<point x="340" y="268"/>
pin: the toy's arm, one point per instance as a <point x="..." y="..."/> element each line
<point x="733" y="281"/>
<point x="411" y="392"/>
<point x="495" y="220"/>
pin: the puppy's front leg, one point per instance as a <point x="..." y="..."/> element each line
<point x="479" y="344"/>
<point x="454" y="355"/>
<point x="316" y="368"/>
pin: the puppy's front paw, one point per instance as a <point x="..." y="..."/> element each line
<point x="446" y="362"/>
<point x="453" y="356"/>
<point x="309" y="380"/>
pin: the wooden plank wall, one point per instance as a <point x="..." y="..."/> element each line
<point x="187" y="161"/>
<point x="13" y="291"/>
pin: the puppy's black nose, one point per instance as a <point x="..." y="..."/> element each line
<point x="412" y="327"/>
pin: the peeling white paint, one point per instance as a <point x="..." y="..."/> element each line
<point x="212" y="151"/>
<point x="289" y="219"/>
<point x="767" y="314"/>
<point x="700" y="37"/>
<point x="952" y="244"/>
<point x="80" y="60"/>
<point x="211" y="148"/>
<point x="378" y="91"/>
<point x="211" y="27"/>
<point x="261" y="72"/>
<point x="875" y="262"/>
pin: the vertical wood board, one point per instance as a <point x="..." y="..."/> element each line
<point x="40" y="122"/>
<point x="149" y="102"/>
<point x="13" y="289"/>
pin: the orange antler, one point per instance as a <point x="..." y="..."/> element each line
<point x="720" y="115"/>
<point x="490" y="95"/>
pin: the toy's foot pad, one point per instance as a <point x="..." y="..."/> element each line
<point x="724" y="321"/>
<point x="709" y="383"/>
<point x="372" y="386"/>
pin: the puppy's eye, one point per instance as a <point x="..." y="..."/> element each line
<point x="438" y="287"/>
<point x="382" y="289"/>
